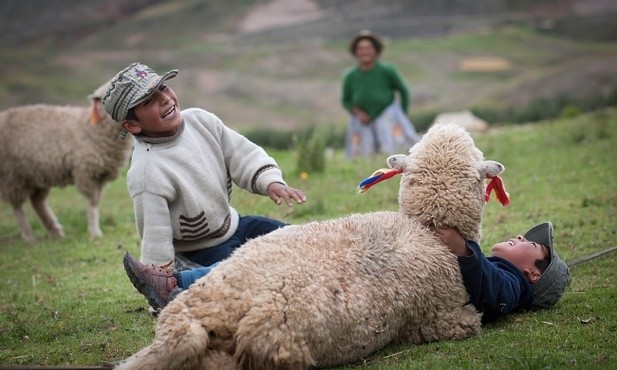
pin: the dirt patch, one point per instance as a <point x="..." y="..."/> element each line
<point x="484" y="64"/>
<point x="277" y="13"/>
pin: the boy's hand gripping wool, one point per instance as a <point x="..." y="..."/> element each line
<point x="327" y="293"/>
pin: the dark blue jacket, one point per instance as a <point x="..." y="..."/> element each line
<point x="496" y="287"/>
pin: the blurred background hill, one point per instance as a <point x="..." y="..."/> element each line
<point x="277" y="64"/>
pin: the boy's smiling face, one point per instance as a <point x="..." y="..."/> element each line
<point x="157" y="116"/>
<point x="522" y="253"/>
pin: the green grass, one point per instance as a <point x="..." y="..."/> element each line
<point x="69" y="302"/>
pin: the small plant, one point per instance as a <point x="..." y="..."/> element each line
<point x="333" y="136"/>
<point x="570" y="111"/>
<point x="310" y="151"/>
<point x="600" y="120"/>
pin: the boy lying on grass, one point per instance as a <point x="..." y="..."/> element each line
<point x="522" y="273"/>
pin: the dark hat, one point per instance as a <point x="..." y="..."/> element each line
<point x="368" y="35"/>
<point x="552" y="284"/>
<point x="130" y="87"/>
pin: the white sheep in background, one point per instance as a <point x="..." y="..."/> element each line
<point x="332" y="292"/>
<point x="42" y="146"/>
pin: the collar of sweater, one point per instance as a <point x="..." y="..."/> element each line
<point x="159" y="140"/>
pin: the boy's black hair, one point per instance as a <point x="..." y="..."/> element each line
<point x="131" y="115"/>
<point x="542" y="264"/>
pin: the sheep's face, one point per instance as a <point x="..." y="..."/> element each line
<point x="443" y="182"/>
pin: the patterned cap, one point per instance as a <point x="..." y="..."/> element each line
<point x="131" y="86"/>
<point x="552" y="284"/>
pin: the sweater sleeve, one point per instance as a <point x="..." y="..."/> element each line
<point x="401" y="86"/>
<point x="346" y="91"/>
<point x="495" y="287"/>
<point x="249" y="166"/>
<point x="152" y="217"/>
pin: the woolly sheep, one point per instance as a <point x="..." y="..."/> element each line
<point x="42" y="146"/>
<point x="332" y="292"/>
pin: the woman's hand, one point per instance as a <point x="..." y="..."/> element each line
<point x="362" y="116"/>
<point x="279" y="193"/>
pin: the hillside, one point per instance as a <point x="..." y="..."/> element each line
<point x="278" y="63"/>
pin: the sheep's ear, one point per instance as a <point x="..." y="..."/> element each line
<point x="397" y="162"/>
<point x="492" y="170"/>
<point x="95" y="111"/>
<point x="488" y="169"/>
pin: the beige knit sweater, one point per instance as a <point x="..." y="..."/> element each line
<point x="181" y="185"/>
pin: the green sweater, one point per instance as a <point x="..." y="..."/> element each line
<point x="373" y="90"/>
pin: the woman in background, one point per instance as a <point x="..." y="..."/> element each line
<point x="379" y="122"/>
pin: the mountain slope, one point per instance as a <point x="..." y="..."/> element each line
<point x="285" y="71"/>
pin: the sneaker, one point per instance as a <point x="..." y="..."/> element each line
<point x="154" y="282"/>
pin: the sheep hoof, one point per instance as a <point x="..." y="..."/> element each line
<point x="30" y="239"/>
<point x="95" y="234"/>
<point x="57" y="232"/>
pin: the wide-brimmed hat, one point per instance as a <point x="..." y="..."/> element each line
<point x="552" y="284"/>
<point x="131" y="86"/>
<point x="368" y="35"/>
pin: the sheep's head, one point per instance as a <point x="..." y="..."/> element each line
<point x="443" y="182"/>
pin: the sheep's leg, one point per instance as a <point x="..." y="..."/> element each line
<point x="180" y="342"/>
<point x="91" y="189"/>
<point x="459" y="323"/>
<point x="23" y="223"/>
<point x="47" y="216"/>
<point x="94" y="228"/>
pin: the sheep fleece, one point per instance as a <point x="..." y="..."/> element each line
<point x="43" y="146"/>
<point x="316" y="295"/>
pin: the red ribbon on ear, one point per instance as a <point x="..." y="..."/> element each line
<point x="496" y="183"/>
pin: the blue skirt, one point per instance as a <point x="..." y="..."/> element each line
<point x="390" y="133"/>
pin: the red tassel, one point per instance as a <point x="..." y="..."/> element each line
<point x="496" y="183"/>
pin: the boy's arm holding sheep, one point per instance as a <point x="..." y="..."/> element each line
<point x="454" y="241"/>
<point x="494" y="287"/>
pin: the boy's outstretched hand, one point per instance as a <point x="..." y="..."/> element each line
<point x="453" y="240"/>
<point x="282" y="193"/>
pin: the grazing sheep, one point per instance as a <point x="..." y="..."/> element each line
<point x="332" y="292"/>
<point x="42" y="146"/>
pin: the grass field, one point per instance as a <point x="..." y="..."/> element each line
<point x="69" y="301"/>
